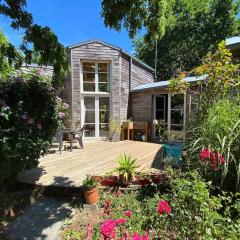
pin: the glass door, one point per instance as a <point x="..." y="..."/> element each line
<point x="96" y="114"/>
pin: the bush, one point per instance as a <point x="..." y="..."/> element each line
<point x="187" y="212"/>
<point x="29" y="117"/>
<point x="219" y="137"/>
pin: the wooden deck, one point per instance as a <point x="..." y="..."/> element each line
<point x="70" y="168"/>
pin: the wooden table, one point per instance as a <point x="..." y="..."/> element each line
<point x="131" y="126"/>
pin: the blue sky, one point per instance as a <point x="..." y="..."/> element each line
<point x="72" y="21"/>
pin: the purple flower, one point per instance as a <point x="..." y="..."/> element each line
<point x="39" y="126"/>
<point x="61" y="115"/>
<point x="2" y="102"/>
<point x="30" y="121"/>
<point x="24" y="116"/>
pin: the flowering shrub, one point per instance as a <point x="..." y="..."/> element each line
<point x="188" y="211"/>
<point x="29" y="117"/>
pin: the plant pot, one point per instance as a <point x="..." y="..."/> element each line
<point x="111" y="181"/>
<point x="124" y="181"/>
<point x="116" y="137"/>
<point x="91" y="196"/>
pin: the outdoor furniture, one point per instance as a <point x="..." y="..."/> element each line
<point x="72" y="134"/>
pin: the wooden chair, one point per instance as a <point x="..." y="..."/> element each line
<point x="79" y="135"/>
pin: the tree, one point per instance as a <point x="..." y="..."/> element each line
<point x="186" y="29"/>
<point x="9" y="56"/>
<point x="37" y="39"/>
<point x="196" y="31"/>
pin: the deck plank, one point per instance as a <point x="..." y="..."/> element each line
<point x="70" y="168"/>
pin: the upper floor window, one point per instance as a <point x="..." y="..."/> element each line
<point x="96" y="77"/>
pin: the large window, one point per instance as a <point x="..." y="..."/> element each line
<point x="96" y="77"/>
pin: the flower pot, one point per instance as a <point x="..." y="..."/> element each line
<point x="111" y="181"/>
<point x="91" y="196"/>
<point x="116" y="137"/>
<point x="124" y="181"/>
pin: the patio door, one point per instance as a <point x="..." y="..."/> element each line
<point x="96" y="114"/>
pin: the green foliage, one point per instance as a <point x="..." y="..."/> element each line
<point x="195" y="28"/>
<point x="135" y="15"/>
<point x="29" y="118"/>
<point x="37" y="40"/>
<point x="90" y="183"/>
<point x="220" y="131"/>
<point x="9" y="56"/>
<point x="127" y="166"/>
<point x="195" y="214"/>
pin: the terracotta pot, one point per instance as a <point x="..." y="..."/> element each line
<point x="91" y="196"/>
<point x="110" y="181"/>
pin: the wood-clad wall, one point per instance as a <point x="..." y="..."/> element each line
<point x="95" y="52"/>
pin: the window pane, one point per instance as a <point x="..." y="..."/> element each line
<point x="88" y="67"/>
<point x="89" y="102"/>
<point x="177" y="133"/>
<point x="89" y="130"/>
<point x="103" y="130"/>
<point x="88" y="87"/>
<point x="102" y="77"/>
<point x="103" y="87"/>
<point x="177" y="117"/>
<point x="159" y="103"/>
<point x="88" y="77"/>
<point x="90" y="116"/>
<point x="159" y="114"/>
<point x="102" y="67"/>
<point x="177" y="101"/>
<point x="104" y="103"/>
<point x="104" y="116"/>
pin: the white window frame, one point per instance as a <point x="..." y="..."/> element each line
<point x="96" y="77"/>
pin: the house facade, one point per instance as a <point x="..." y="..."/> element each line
<point x="98" y="88"/>
<point x="107" y="82"/>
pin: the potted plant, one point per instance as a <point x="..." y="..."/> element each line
<point x="126" y="169"/>
<point x="115" y="129"/>
<point x="90" y="188"/>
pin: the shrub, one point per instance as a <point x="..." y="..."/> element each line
<point x="219" y="135"/>
<point x="29" y="117"/>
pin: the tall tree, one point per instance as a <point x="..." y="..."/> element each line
<point x="191" y="29"/>
<point x="37" y="39"/>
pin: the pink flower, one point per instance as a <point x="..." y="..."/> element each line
<point x="163" y="207"/>
<point x="108" y="229"/>
<point x="128" y="213"/>
<point x="205" y="153"/>
<point x="137" y="236"/>
<point x="39" y="126"/>
<point x="61" y="114"/>
<point x="120" y="221"/>
<point x="30" y="121"/>
<point x="2" y="102"/>
<point x="89" y="232"/>
<point x="118" y="193"/>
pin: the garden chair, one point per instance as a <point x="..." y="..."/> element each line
<point x="79" y="135"/>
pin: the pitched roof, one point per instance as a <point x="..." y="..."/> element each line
<point x="233" y="42"/>
<point x="164" y="84"/>
<point x="113" y="47"/>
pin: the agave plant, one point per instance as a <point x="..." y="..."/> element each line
<point x="126" y="169"/>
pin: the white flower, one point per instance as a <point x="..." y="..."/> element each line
<point x="155" y="122"/>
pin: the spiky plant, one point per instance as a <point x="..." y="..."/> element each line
<point x="127" y="167"/>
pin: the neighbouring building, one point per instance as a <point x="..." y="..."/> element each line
<point x="107" y="82"/>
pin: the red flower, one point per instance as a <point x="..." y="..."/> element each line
<point x="108" y="229"/>
<point x="137" y="236"/>
<point x="128" y="213"/>
<point x="205" y="153"/>
<point x="120" y="221"/>
<point x="163" y="207"/>
<point x="118" y="193"/>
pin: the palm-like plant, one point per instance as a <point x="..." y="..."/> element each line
<point x="126" y="169"/>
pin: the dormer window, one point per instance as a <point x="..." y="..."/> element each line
<point x="95" y="77"/>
